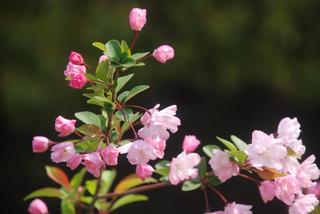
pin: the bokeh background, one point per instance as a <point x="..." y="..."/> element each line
<point x="240" y="65"/>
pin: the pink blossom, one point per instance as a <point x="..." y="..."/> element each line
<point x="74" y="161"/>
<point x="222" y="166"/>
<point x="73" y="70"/>
<point x="62" y="152"/>
<point x="40" y="144"/>
<point x="78" y="81"/>
<point x="267" y="190"/>
<point x="93" y="163"/>
<point x="64" y="126"/>
<point x="304" y="204"/>
<point x="314" y="190"/>
<point x="37" y="206"/>
<point x="190" y="143"/>
<point x="308" y="171"/>
<point x="76" y="58"/>
<point x="286" y="188"/>
<point x="163" y="53"/>
<point x="110" y="155"/>
<point x="144" y="171"/>
<point x="158" y="146"/>
<point x="137" y="18"/>
<point x="183" y="167"/>
<point x="265" y="151"/>
<point x="289" y="129"/>
<point x="103" y="58"/>
<point x="233" y="208"/>
<point x="140" y="152"/>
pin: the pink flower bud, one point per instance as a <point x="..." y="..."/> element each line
<point x="78" y="81"/>
<point x="93" y="163"/>
<point x="163" y="53"/>
<point x="110" y="155"/>
<point x="74" y="161"/>
<point x="40" y="144"/>
<point x="137" y="18"/>
<point x="190" y="143"/>
<point x="267" y="191"/>
<point x="64" y="126"/>
<point x="103" y="58"/>
<point x="73" y="70"/>
<point x="37" y="206"/>
<point x="144" y="171"/>
<point x="62" y="152"/>
<point x="76" y="58"/>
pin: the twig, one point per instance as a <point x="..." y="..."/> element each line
<point x="249" y="178"/>
<point x="135" y="37"/>
<point x="217" y="192"/>
<point x="206" y="199"/>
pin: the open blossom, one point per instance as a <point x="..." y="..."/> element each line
<point x="140" y="152"/>
<point x="144" y="171"/>
<point x="76" y="58"/>
<point x="158" y="146"/>
<point x="78" y="81"/>
<point x="64" y="126"/>
<point x="288" y="129"/>
<point x="37" y="206"/>
<point x="233" y="208"/>
<point x="40" y="144"/>
<point x="267" y="190"/>
<point x="304" y="204"/>
<point x="137" y="18"/>
<point x="110" y="155"/>
<point x="74" y="161"/>
<point x="62" y="152"/>
<point x="286" y="188"/>
<point x="93" y="163"/>
<point x="183" y="167"/>
<point x="73" y="70"/>
<point x="190" y="143"/>
<point x="221" y="165"/>
<point x="163" y="53"/>
<point x="265" y="151"/>
<point x="308" y="171"/>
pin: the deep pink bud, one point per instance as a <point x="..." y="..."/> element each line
<point x="190" y="143"/>
<point x="78" y="81"/>
<point x="144" y="171"/>
<point x="64" y="126"/>
<point x="103" y="58"/>
<point x="76" y="58"/>
<point x="137" y="18"/>
<point x="110" y="155"/>
<point x="74" y="161"/>
<point x="40" y="144"/>
<point x="163" y="53"/>
<point x="37" y="206"/>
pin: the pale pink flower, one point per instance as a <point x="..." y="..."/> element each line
<point x="158" y="146"/>
<point x="183" y="167"/>
<point x="74" y="161"/>
<point x="76" y="58"/>
<point x="137" y="18"/>
<point x="267" y="190"/>
<point x="296" y="146"/>
<point x="314" y="190"/>
<point x="190" y="143"/>
<point x="62" y="152"/>
<point x="290" y="164"/>
<point x="37" y="206"/>
<point x="144" y="171"/>
<point x="110" y="155"/>
<point x="73" y="70"/>
<point x="163" y="53"/>
<point x="308" y="171"/>
<point x="221" y="165"/>
<point x="304" y="204"/>
<point x="265" y="151"/>
<point x="233" y="208"/>
<point x="286" y="188"/>
<point x="141" y="152"/>
<point x="40" y="144"/>
<point x="289" y="129"/>
<point x="64" y="126"/>
<point x="78" y="81"/>
<point x="103" y="58"/>
<point x="93" y="163"/>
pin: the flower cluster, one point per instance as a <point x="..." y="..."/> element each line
<point x="76" y="71"/>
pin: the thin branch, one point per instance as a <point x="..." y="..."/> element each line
<point x="217" y="192"/>
<point x="138" y="107"/>
<point x="249" y="178"/>
<point x="206" y="199"/>
<point x="135" y="37"/>
<point x="127" y="119"/>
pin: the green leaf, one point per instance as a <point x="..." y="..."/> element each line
<point x="213" y="180"/>
<point x="129" y="62"/>
<point x="87" y="145"/>
<point x="132" y="181"/>
<point x="91" y="186"/>
<point x="190" y="185"/>
<point x="127" y="199"/>
<point x="136" y="90"/>
<point x="238" y="142"/>
<point x="107" y="179"/>
<point x="91" y="77"/>
<point x="102" y="70"/>
<point x="124" y="114"/>
<point x="77" y="179"/>
<point x="45" y="192"/>
<point x="162" y="167"/>
<point x="208" y="149"/>
<point x="138" y="56"/>
<point x="89" y="130"/>
<point x="58" y="176"/>
<point x="100" y="46"/>
<point x="202" y="167"/>
<point x="102" y="205"/>
<point x="88" y="118"/>
<point x="67" y="207"/>
<point x="122" y="81"/>
<point x="86" y="199"/>
<point x="125" y="48"/>
<point x="240" y="157"/>
<point x="228" y="144"/>
<point x="121" y="98"/>
<point x="113" y="50"/>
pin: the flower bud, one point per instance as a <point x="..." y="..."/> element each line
<point x="76" y="58"/>
<point x="64" y="126"/>
<point x="110" y="155"/>
<point x="78" y="81"/>
<point x="40" y="144"/>
<point x="144" y="171"/>
<point x="73" y="70"/>
<point x="137" y="18"/>
<point x="190" y="143"/>
<point x="37" y="206"/>
<point x="163" y="53"/>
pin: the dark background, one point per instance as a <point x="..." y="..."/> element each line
<point x="240" y="65"/>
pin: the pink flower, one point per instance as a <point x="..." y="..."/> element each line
<point x="308" y="171"/>
<point x="183" y="167"/>
<point x="144" y="171"/>
<point x="73" y="70"/>
<point x="64" y="126"/>
<point x="315" y="190"/>
<point x="289" y="129"/>
<point x="267" y="191"/>
<point x="74" y="161"/>
<point x="40" y="144"/>
<point x="265" y="151"/>
<point x="37" y="206"/>
<point x="233" y="208"/>
<point x="137" y="18"/>
<point x="62" y="152"/>
<point x="190" y="143"/>
<point x="103" y="58"/>
<point x="158" y="146"/>
<point x="76" y="58"/>
<point x="286" y="188"/>
<point x="163" y="53"/>
<point x="222" y="166"/>
<point x="140" y="152"/>
<point x="93" y="163"/>
<point x="304" y="204"/>
<point x="78" y="81"/>
<point x="110" y="155"/>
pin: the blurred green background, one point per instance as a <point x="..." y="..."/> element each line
<point x="240" y="65"/>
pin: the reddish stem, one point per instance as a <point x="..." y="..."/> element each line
<point x="135" y="37"/>
<point x="249" y="178"/>
<point x="218" y="193"/>
<point x="206" y="199"/>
